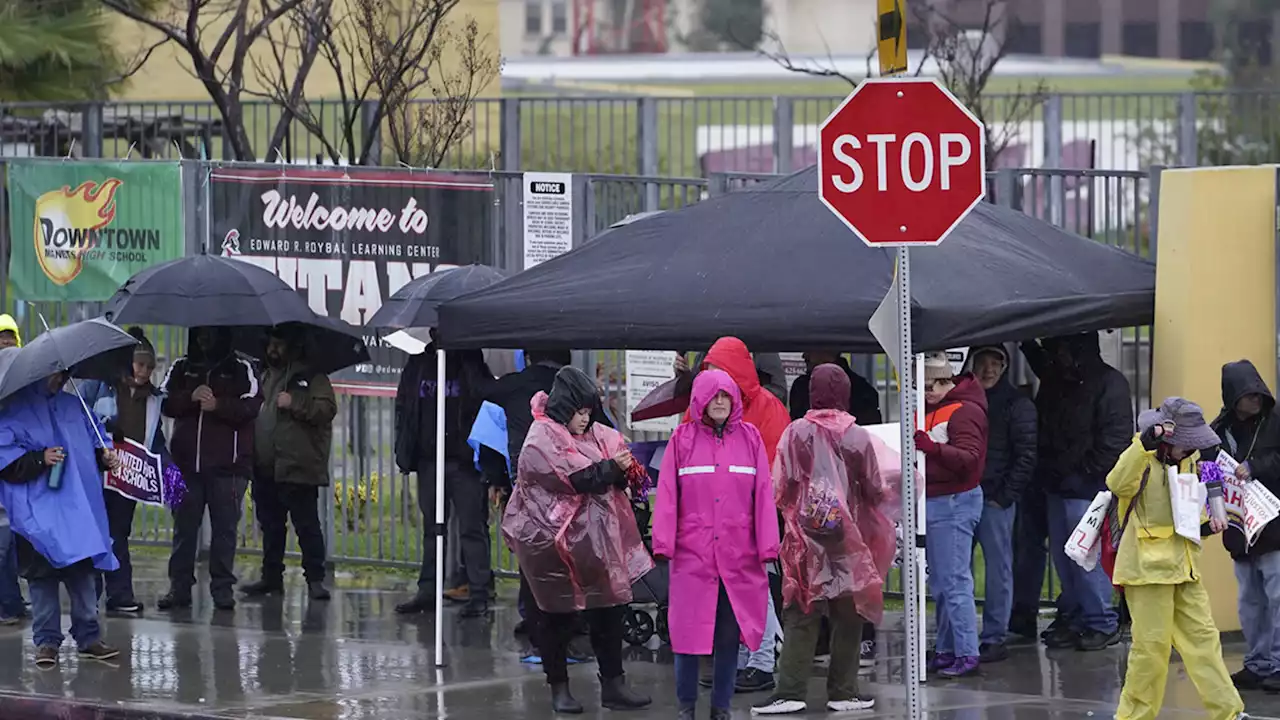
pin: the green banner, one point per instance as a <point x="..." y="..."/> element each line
<point x="79" y="229"/>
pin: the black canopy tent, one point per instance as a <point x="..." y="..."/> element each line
<point x="771" y="265"/>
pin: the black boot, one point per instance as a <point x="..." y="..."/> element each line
<point x="687" y="713"/>
<point x="476" y="607"/>
<point x="317" y="591"/>
<point x="262" y="588"/>
<point x="562" y="700"/>
<point x="721" y="713"/>
<point x="615" y="695"/>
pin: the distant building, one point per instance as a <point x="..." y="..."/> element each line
<point x="1171" y="29"/>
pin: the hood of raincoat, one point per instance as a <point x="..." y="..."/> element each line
<point x="838" y="504"/>
<point x="731" y="355"/>
<point x="571" y="391"/>
<point x="68" y="524"/>
<point x="706" y="386"/>
<point x="759" y="406"/>
<point x="1241" y="378"/>
<point x="578" y="551"/>
<point x="8" y="323"/>
<point x="829" y="388"/>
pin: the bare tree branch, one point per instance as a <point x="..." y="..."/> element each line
<point x="384" y="56"/>
<point x="783" y="59"/>
<point x="138" y="60"/>
<point x="218" y="58"/>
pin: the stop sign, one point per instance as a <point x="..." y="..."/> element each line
<point x="901" y="161"/>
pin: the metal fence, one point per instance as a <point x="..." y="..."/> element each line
<point x="370" y="512"/>
<point x="677" y="136"/>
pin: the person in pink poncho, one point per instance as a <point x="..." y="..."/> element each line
<point x="572" y="528"/>
<point x="837" y="503"/>
<point x="717" y="523"/>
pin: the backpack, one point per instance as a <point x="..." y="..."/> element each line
<point x="1113" y="527"/>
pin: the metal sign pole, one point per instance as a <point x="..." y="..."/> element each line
<point x="910" y="532"/>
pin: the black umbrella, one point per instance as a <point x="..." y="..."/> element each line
<point x="206" y="290"/>
<point x="92" y="349"/>
<point x="414" y="305"/>
<point x="774" y="267"/>
<point x="329" y="344"/>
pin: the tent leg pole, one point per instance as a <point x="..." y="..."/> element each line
<point x="441" y="392"/>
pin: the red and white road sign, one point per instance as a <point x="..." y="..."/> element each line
<point x="901" y="161"/>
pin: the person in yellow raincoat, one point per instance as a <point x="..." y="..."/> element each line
<point x="1159" y="569"/>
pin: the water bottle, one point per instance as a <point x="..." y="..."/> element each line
<point x="55" y="476"/>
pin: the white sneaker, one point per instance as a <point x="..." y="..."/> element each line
<point x="854" y="705"/>
<point x="778" y="706"/>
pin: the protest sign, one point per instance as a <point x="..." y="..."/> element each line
<point x="139" y="475"/>
<point x="1250" y="505"/>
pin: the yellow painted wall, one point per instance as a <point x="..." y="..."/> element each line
<point x="166" y="75"/>
<point x="1215" y="223"/>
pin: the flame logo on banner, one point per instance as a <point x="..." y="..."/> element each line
<point x="67" y="223"/>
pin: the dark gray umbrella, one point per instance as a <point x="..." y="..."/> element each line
<point x="206" y="290"/>
<point x="329" y="344"/>
<point x="91" y="349"/>
<point x="772" y="266"/>
<point x="414" y="305"/>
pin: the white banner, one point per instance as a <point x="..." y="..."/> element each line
<point x="1250" y="505"/>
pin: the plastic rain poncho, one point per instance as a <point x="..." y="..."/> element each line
<point x="577" y="551"/>
<point x="837" y="507"/>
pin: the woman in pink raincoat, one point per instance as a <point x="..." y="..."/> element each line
<point x="837" y="503"/>
<point x="717" y="523"/>
<point x="572" y="529"/>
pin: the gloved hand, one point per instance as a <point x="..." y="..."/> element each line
<point x="925" y="443"/>
<point x="1152" y="437"/>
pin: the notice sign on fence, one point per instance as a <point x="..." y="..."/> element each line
<point x="646" y="370"/>
<point x="80" y="229"/>
<point x="139" y="476"/>
<point x="548" y="216"/>
<point x="348" y="238"/>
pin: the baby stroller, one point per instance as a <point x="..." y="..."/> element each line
<point x="638" y="625"/>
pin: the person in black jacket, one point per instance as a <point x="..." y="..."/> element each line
<point x="1085" y="420"/>
<point x="1011" y="458"/>
<point x="214" y="398"/>
<point x="464" y="489"/>
<point x="864" y="399"/>
<point x="1250" y="430"/>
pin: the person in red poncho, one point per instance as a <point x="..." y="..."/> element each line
<point x="571" y="526"/>
<point x="839" y="543"/>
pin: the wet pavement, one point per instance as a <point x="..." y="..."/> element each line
<point x="353" y="659"/>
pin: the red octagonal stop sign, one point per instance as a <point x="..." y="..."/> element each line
<point x="901" y="161"/>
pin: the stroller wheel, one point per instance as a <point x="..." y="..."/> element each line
<point x="637" y="626"/>
<point x="664" y="632"/>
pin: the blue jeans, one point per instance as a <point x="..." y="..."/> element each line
<point x="764" y="658"/>
<point x="724" y="661"/>
<point x="11" y="604"/>
<point x="46" y="609"/>
<point x="1085" y="599"/>
<point x="1259" y="602"/>
<point x="951" y="523"/>
<point x="995" y="535"/>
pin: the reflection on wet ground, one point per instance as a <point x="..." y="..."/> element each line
<point x="353" y="659"/>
